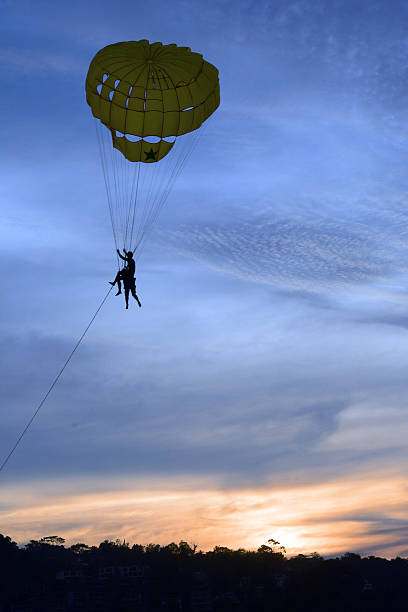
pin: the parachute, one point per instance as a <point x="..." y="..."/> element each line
<point x="144" y="96"/>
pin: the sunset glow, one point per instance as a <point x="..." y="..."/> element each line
<point x="321" y="518"/>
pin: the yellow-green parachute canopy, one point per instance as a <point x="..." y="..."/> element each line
<point x="144" y="96"/>
<point x="142" y="90"/>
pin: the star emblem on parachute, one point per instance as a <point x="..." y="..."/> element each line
<point x="150" y="154"/>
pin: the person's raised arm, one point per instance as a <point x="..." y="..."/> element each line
<point x="120" y="254"/>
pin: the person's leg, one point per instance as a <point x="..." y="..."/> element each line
<point x="135" y="296"/>
<point x="127" y="297"/>
<point x="117" y="280"/>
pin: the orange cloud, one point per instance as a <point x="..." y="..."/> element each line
<point x="327" y="518"/>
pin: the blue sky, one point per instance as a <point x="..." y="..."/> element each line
<point x="261" y="390"/>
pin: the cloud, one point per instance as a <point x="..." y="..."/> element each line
<point x="362" y="514"/>
<point x="288" y="253"/>
<point x="252" y="407"/>
<point x="371" y="426"/>
<point x="360" y="49"/>
<point x="34" y="61"/>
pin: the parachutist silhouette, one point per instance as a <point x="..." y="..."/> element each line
<point x="127" y="275"/>
<point x="131" y="266"/>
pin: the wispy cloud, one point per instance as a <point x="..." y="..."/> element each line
<point x="369" y="427"/>
<point x="288" y="253"/>
<point x="359" y="515"/>
<point x="33" y="61"/>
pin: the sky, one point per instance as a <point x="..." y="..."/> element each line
<point x="261" y="390"/>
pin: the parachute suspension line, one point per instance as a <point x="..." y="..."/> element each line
<point x="117" y="199"/>
<point x="121" y="200"/>
<point x="122" y="185"/>
<point x="102" y="153"/>
<point x="126" y="176"/>
<point x="137" y="192"/>
<point x="155" y="206"/>
<point x="164" y="171"/>
<point x="152" y="197"/>
<point x="54" y="382"/>
<point x="157" y="171"/>
<point x="154" y="210"/>
<point x="125" y="190"/>
<point x="182" y="160"/>
<point x="133" y="178"/>
<point x="139" y="209"/>
<point x="154" y="170"/>
<point x="153" y="202"/>
<point x="120" y="196"/>
<point x="165" y="192"/>
<point x="134" y="195"/>
<point x="122" y="172"/>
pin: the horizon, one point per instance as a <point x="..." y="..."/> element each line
<point x="117" y="542"/>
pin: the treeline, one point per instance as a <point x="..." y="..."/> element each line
<point x="45" y="575"/>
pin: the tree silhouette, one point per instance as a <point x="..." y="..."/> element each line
<point x="44" y="575"/>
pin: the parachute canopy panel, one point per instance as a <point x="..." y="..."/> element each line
<point x="139" y="90"/>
